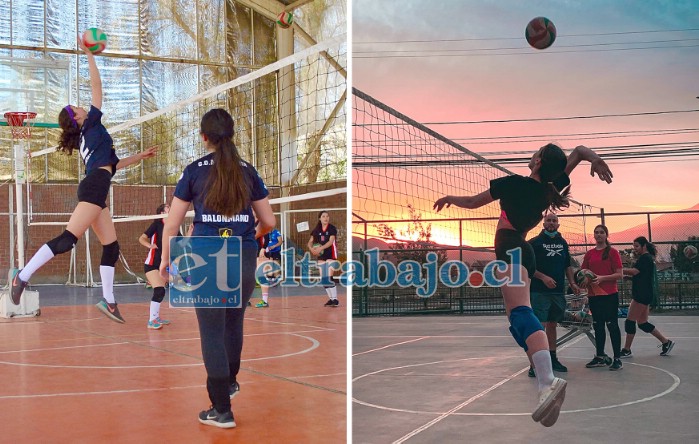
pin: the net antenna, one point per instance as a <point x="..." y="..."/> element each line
<point x="21" y="124"/>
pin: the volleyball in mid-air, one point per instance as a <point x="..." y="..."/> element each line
<point x="95" y="40"/>
<point x="690" y="251"/>
<point x="540" y="33"/>
<point x="285" y="19"/>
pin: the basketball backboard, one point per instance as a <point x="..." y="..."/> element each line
<point x="38" y="85"/>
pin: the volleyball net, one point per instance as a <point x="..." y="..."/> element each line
<point x="401" y="167"/>
<point x="290" y="123"/>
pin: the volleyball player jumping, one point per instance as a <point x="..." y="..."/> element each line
<point x="522" y="201"/>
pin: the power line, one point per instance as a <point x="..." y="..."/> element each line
<point x="517" y="38"/>
<point x="524" y="52"/>
<point x="542" y="119"/>
<point x="520" y="47"/>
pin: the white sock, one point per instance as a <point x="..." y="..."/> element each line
<point x="332" y="293"/>
<point x="154" y="310"/>
<point x="265" y="296"/>
<point x="37" y="261"/>
<point x="107" y="275"/>
<point x="544" y="369"/>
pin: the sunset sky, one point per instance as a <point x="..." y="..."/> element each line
<point x="447" y="63"/>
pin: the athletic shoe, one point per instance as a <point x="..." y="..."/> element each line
<point x="162" y="321"/>
<point x="616" y="365"/>
<point x="599" y="361"/>
<point x="330" y="303"/>
<point x="550" y="401"/>
<point x="550" y="419"/>
<point x="531" y="373"/>
<point x="262" y="304"/>
<point x="154" y="325"/>
<point x="336" y="302"/>
<point x="666" y="347"/>
<point x="625" y="353"/>
<point x="557" y="366"/>
<point x="233" y="390"/>
<point x="216" y="419"/>
<point x="18" y="286"/>
<point x="111" y="310"/>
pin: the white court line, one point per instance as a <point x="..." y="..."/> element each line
<point x="470" y="400"/>
<point x="676" y="382"/>
<point x="454" y="409"/>
<point x="63" y="348"/>
<point x="435" y="336"/>
<point x="52" y="395"/>
<point x="314" y="344"/>
<point x="390" y="345"/>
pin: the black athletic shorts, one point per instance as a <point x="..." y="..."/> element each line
<point x="509" y="239"/>
<point x="275" y="256"/>
<point x="94" y="188"/>
<point x="154" y="267"/>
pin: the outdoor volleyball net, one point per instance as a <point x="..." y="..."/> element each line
<point x="290" y="124"/>
<point x="401" y="167"/>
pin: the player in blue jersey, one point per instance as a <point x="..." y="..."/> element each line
<point x="224" y="190"/>
<point x="83" y="130"/>
<point x="270" y="250"/>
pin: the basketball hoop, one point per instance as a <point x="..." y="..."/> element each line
<point x="15" y="120"/>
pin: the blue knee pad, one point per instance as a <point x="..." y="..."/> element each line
<point x="523" y="324"/>
<point x="630" y="327"/>
<point x="647" y="327"/>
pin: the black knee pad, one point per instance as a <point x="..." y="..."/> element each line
<point x="65" y="242"/>
<point x="110" y="254"/>
<point x="158" y="294"/>
<point x="647" y="327"/>
<point x="630" y="327"/>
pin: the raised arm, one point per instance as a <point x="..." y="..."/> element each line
<point x="95" y="79"/>
<point x="597" y="165"/>
<point x="470" y="202"/>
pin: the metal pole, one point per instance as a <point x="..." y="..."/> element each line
<point x="650" y="234"/>
<point x="19" y="180"/>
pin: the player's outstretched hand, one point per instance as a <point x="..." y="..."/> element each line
<point x="600" y="167"/>
<point x="82" y="46"/>
<point x="441" y="202"/>
<point x="150" y="152"/>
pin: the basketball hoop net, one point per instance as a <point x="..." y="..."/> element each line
<point x="15" y="120"/>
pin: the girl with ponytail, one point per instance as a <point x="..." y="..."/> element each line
<point x="642" y="290"/>
<point x="523" y="201"/>
<point x="224" y="190"/>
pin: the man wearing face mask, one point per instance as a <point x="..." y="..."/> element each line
<point x="548" y="286"/>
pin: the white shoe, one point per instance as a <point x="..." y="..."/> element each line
<point x="550" y="402"/>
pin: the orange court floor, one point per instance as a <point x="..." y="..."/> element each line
<point x="72" y="375"/>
